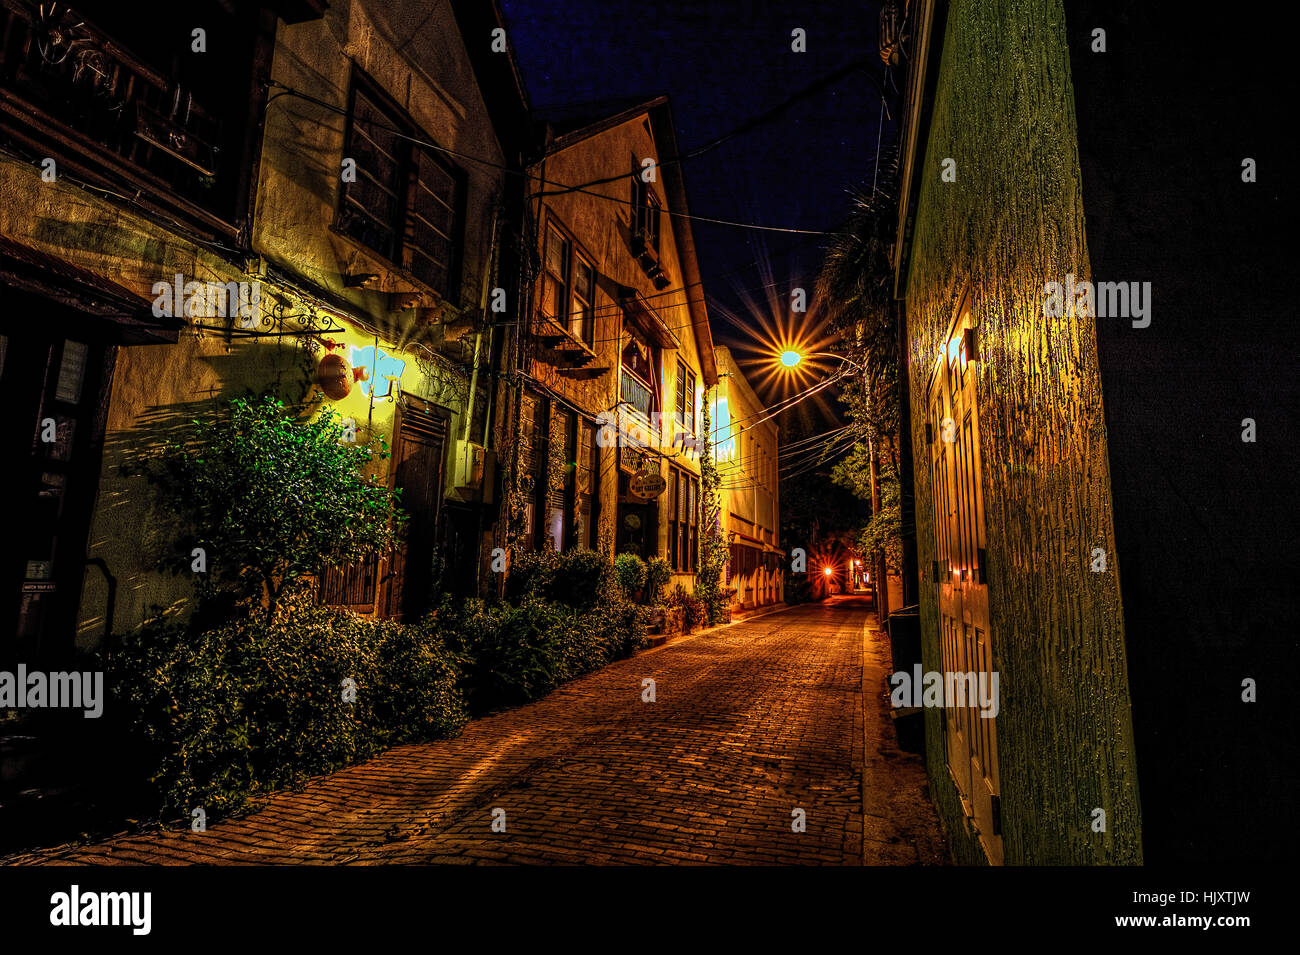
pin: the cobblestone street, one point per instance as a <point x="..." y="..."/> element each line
<point x="750" y="723"/>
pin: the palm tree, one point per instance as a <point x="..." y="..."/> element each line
<point x="855" y="297"/>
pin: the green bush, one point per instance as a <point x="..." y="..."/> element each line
<point x="531" y="572"/>
<point x="509" y="650"/>
<point x="216" y="715"/>
<point x="693" y="609"/>
<point x="658" y="573"/>
<point x="516" y="653"/>
<point x="798" y="588"/>
<point x="630" y="572"/>
<point x="272" y="497"/>
<point x="255" y="706"/>
<point x="576" y="578"/>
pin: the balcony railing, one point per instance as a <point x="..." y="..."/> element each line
<point x="64" y="82"/>
<point x="636" y="393"/>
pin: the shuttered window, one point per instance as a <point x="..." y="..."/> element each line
<point x="685" y="398"/>
<point x="402" y="200"/>
<point x="587" y="485"/>
<point x="683" y="498"/>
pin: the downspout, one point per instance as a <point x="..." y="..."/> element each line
<point x="488" y="275"/>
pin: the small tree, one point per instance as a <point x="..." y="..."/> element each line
<point x="273" y="499"/>
<point x="715" y="548"/>
<point x="883" y="534"/>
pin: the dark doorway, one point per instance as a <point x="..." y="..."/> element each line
<point x="419" y="453"/>
<point x="56" y="390"/>
<point x="638" y="523"/>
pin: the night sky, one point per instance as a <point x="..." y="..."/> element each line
<point x="722" y="64"/>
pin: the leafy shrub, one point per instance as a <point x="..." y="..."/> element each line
<point x="517" y="653"/>
<point x="798" y="588"/>
<point x="693" y="609"/>
<point x="216" y="715"/>
<point x="658" y="573"/>
<point x="576" y="578"/>
<point x="509" y="651"/>
<point x="630" y="572"/>
<point x="253" y="706"/>
<point x="622" y="627"/>
<point x="274" y="497"/>
<point x="531" y="572"/>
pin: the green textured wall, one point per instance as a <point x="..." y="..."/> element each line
<point x="1012" y="221"/>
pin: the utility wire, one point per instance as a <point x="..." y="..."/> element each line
<point x="290" y="91"/>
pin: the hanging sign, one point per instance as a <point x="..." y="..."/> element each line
<point x="647" y="485"/>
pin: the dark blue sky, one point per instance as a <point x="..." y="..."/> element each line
<point x="722" y="63"/>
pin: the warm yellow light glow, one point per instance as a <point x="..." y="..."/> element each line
<point x="790" y="358"/>
<point x="828" y="571"/>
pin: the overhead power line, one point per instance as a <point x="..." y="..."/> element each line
<point x="493" y="164"/>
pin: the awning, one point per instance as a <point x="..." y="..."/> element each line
<point x="648" y="317"/>
<point x="119" y="314"/>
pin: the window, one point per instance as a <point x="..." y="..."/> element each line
<point x="351" y="585"/>
<point x="586" y="487"/>
<point x="568" y="286"/>
<point x="645" y="214"/>
<point x="683" y="500"/>
<point x="636" y="383"/>
<point x="405" y="202"/>
<point x="72" y="371"/>
<point x="685" y="398"/>
<point x="582" y="316"/>
<point x="559" y="489"/>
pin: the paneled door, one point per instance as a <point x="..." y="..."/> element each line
<point x="959" y="571"/>
<point x="419" y="453"/>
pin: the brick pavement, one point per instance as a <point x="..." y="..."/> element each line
<point x="750" y="722"/>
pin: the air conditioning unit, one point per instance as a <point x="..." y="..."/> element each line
<point x="475" y="471"/>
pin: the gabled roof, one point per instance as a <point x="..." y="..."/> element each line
<point x="559" y="127"/>
<point x="567" y="126"/>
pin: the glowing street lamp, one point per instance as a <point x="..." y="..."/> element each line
<point x="792" y="359"/>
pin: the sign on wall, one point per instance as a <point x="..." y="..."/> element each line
<point x="647" y="485"/>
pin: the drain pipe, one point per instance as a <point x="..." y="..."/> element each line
<point x="488" y="274"/>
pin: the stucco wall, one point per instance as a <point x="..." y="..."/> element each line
<point x="431" y="79"/>
<point x="158" y="390"/>
<point x="602" y="228"/>
<point x="1012" y="221"/>
<point x="750" y="499"/>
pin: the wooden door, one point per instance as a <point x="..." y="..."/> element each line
<point x="419" y="452"/>
<point x="56" y="391"/>
<point x="959" y="570"/>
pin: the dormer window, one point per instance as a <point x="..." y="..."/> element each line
<point x="645" y="215"/>
<point x="645" y="231"/>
